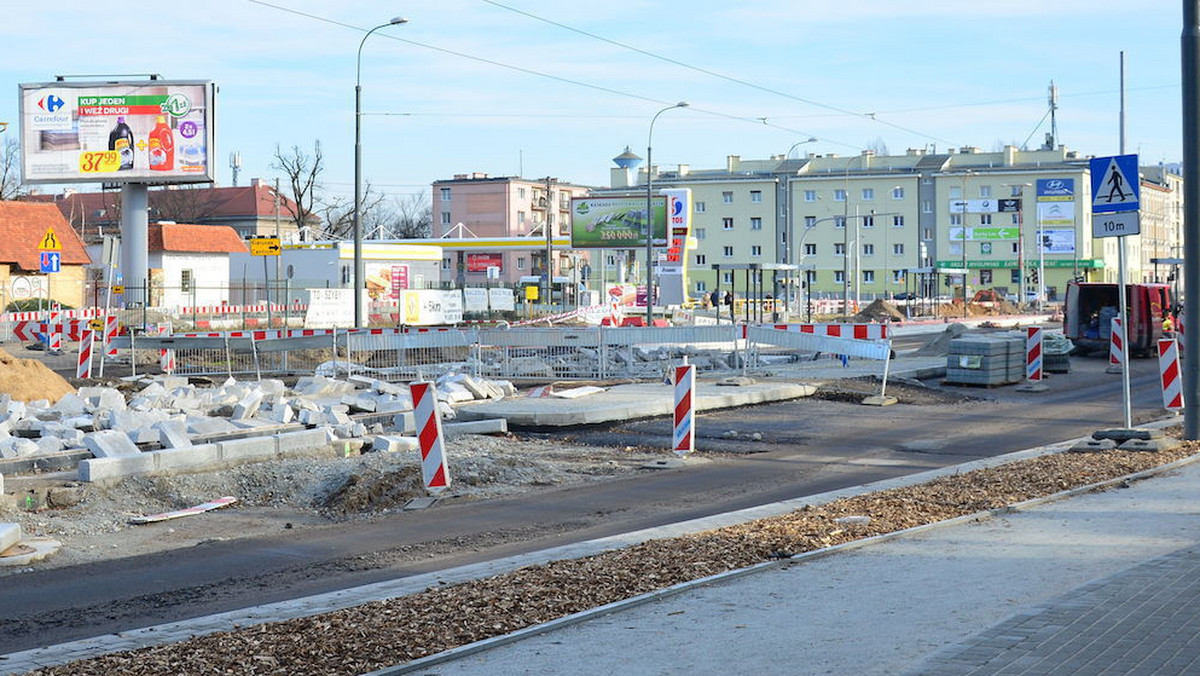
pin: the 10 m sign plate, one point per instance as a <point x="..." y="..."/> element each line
<point x="1117" y="224"/>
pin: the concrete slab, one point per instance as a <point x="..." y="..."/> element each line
<point x="395" y="444"/>
<point x="187" y="459"/>
<point x="1087" y="445"/>
<point x="304" y="440"/>
<point x="110" y="444"/>
<point x="419" y="503"/>
<point x="1122" y="434"/>
<point x="30" y="551"/>
<point x="102" y="469"/>
<point x="10" y="534"/>
<point x="493" y="426"/>
<point x="876" y="400"/>
<point x="173" y="434"/>
<point x="255" y="448"/>
<point x="1149" y="445"/>
<point x="626" y="402"/>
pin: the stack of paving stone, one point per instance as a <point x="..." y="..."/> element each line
<point x="986" y="360"/>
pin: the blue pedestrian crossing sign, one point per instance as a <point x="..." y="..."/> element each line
<point x="1115" y="184"/>
<point x="51" y="261"/>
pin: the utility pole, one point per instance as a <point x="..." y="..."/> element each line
<point x="546" y="225"/>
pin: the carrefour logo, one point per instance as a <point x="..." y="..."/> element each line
<point x="51" y="103"/>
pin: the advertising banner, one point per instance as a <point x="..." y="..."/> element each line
<point x="475" y="299"/>
<point x="1056" y="213"/>
<point x="980" y="206"/>
<point x="984" y="233"/>
<point x="480" y="262"/>
<point x="502" y="300"/>
<point x="155" y="131"/>
<point x="426" y="307"/>
<point x="1055" y="189"/>
<point x="1057" y="241"/>
<point x="615" y="222"/>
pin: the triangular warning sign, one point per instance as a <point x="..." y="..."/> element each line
<point x="49" y="241"/>
<point x="1115" y="188"/>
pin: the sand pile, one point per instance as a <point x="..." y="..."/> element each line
<point x="879" y="311"/>
<point x="30" y="379"/>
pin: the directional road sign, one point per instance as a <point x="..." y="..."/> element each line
<point x="51" y="261"/>
<point x="1115" y="184"/>
<point x="1117" y="224"/>
<point x="264" y="246"/>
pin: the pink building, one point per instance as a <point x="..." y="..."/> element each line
<point x="500" y="222"/>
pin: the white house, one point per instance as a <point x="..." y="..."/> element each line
<point x="189" y="264"/>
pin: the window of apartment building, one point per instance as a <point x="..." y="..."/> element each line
<point x="1015" y="218"/>
<point x="868" y="194"/>
<point x="898" y="276"/>
<point x="897" y="221"/>
<point x="928" y="234"/>
<point x="727" y="197"/>
<point x="700" y="233"/>
<point x="868" y="249"/>
<point x="926" y="206"/>
<point x="956" y="192"/>
<point x="839" y="221"/>
<point x="755" y="251"/>
<point x="897" y="193"/>
<point x="756" y="223"/>
<point x="701" y="259"/>
<point x="700" y="207"/>
<point x="445" y="218"/>
<point x="520" y="262"/>
<point x="445" y="263"/>
<point x="810" y="249"/>
<point x="985" y="277"/>
<point x="611" y="259"/>
<point x="1015" y="247"/>
<point x="347" y="270"/>
<point x="520" y="218"/>
<point x="897" y="249"/>
<point x="727" y="224"/>
<point x="810" y="276"/>
<point x="985" y="191"/>
<point x="839" y="276"/>
<point x="839" y="249"/>
<point x="985" y="219"/>
<point x="185" y="281"/>
<point x="756" y="196"/>
<point x="445" y="194"/>
<point x="868" y="221"/>
<point x="839" y="195"/>
<point x="810" y="221"/>
<point x="701" y="287"/>
<point x="727" y="278"/>
<point x="868" y="276"/>
<point x="810" y="195"/>
<point x="727" y="251"/>
<point x="956" y="219"/>
<point x="520" y="193"/>
<point x="1014" y="277"/>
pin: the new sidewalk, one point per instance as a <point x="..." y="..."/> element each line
<point x="1100" y="583"/>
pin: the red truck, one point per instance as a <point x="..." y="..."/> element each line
<point x="1090" y="307"/>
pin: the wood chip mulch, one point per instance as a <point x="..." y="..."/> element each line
<point x="385" y="633"/>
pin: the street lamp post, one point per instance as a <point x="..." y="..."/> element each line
<point x="789" y="255"/>
<point x="650" y="213"/>
<point x="359" y="270"/>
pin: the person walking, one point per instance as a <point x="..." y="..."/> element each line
<point x="729" y="302"/>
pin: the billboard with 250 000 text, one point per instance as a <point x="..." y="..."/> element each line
<point x="615" y="222"/>
<point x="156" y="131"/>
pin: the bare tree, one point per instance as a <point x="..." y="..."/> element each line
<point x="183" y="204"/>
<point x="878" y="146"/>
<point x="303" y="174"/>
<point x="415" y="217"/>
<point x="339" y="214"/>
<point x="10" y="170"/>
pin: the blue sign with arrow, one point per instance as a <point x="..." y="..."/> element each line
<point x="51" y="261"/>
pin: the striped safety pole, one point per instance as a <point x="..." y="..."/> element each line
<point x="166" y="357"/>
<point x="685" y="405"/>
<point x="110" y="336"/>
<point x="1033" y="353"/>
<point x="55" y="330"/>
<point x="429" y="433"/>
<point x="84" y="367"/>
<point x="1116" y="349"/>
<point x="1168" y="374"/>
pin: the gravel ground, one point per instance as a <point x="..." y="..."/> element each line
<point x="384" y="633"/>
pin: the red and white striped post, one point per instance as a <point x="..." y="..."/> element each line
<point x="84" y="366"/>
<point x="434" y="471"/>
<point x="1169" y="375"/>
<point x="55" y="330"/>
<point x="685" y="405"/>
<point x="1033" y="353"/>
<point x="166" y="357"/>
<point x="110" y="336"/>
<point x="1116" y="348"/>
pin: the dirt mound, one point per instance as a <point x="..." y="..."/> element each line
<point x="879" y="311"/>
<point x="30" y="379"/>
<point x="371" y="491"/>
<point x="940" y="345"/>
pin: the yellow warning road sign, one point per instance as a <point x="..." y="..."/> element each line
<point x="264" y="246"/>
<point x="49" y="241"/>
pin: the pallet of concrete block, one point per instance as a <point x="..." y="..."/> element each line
<point x="985" y="360"/>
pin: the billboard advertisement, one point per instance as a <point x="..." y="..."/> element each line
<point x="615" y="222"/>
<point x="480" y="262"/>
<point x="154" y="131"/>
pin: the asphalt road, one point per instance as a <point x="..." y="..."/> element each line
<point x="807" y="446"/>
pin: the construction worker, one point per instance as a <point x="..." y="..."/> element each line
<point x="1168" y="327"/>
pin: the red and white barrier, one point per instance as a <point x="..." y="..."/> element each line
<point x="110" y="335"/>
<point x="685" y="405"/>
<point x="166" y="357"/>
<point x="1116" y="348"/>
<point x="84" y="367"/>
<point x="1169" y="375"/>
<point x="28" y="330"/>
<point x="1033" y="353"/>
<point x="429" y="433"/>
<point x="836" y="330"/>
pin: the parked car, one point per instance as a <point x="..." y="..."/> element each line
<point x="905" y="295"/>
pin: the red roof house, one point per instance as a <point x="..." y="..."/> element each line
<point x="23" y="227"/>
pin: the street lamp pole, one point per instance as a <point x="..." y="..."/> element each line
<point x="650" y="213"/>
<point x="359" y="269"/>
<point x="789" y="255"/>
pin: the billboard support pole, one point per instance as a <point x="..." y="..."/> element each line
<point x="135" y="237"/>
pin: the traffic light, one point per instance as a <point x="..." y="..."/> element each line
<point x="1033" y="276"/>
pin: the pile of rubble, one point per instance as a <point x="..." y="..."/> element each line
<point x="167" y="412"/>
<point x="580" y="361"/>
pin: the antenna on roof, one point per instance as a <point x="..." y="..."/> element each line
<point x="235" y="163"/>
<point x="1052" y="97"/>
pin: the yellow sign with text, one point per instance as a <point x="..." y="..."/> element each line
<point x="265" y="246"/>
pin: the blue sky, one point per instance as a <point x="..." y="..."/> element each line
<point x="472" y="85"/>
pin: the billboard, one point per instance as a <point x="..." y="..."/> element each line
<point x="154" y="131"/>
<point x="615" y="222"/>
<point x="480" y="262"/>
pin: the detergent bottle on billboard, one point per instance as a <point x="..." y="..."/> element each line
<point x="162" y="146"/>
<point x="120" y="139"/>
